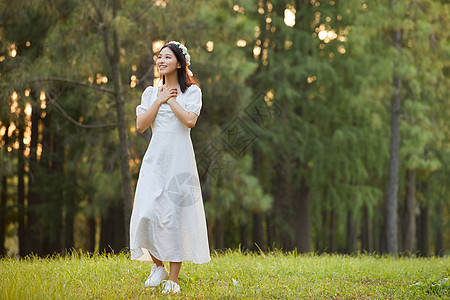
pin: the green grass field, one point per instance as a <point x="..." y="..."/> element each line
<point x="233" y="275"/>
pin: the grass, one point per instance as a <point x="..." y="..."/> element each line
<point x="232" y="275"/>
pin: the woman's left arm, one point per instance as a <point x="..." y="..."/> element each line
<point x="186" y="117"/>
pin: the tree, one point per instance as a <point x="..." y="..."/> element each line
<point x="392" y="202"/>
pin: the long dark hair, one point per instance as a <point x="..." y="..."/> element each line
<point x="183" y="77"/>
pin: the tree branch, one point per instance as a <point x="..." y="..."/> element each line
<point x="143" y="11"/>
<point x="103" y="26"/>
<point x="97" y="10"/>
<point x="66" y="115"/>
<point x="419" y="5"/>
<point x="66" y="80"/>
<point x="146" y="75"/>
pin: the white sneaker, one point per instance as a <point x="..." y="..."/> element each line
<point x="171" y="287"/>
<point x="156" y="276"/>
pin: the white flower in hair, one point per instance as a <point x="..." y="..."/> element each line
<point x="183" y="50"/>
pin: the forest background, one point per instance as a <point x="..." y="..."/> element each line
<point x="324" y="126"/>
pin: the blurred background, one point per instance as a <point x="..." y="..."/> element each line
<point x="325" y="124"/>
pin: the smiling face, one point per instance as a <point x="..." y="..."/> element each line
<point x="167" y="62"/>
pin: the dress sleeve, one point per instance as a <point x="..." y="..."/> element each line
<point x="145" y="101"/>
<point x="194" y="101"/>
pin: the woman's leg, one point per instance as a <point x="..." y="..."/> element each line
<point x="157" y="261"/>
<point x="175" y="268"/>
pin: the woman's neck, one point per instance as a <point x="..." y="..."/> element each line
<point x="172" y="80"/>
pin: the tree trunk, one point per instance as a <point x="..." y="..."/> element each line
<point x="46" y="154"/>
<point x="351" y="240"/>
<point x="243" y="235"/>
<point x="21" y="192"/>
<point x="69" y="242"/>
<point x="206" y="193"/>
<point x="303" y="214"/>
<point x="121" y="126"/>
<point x="112" y="237"/>
<point x="34" y="241"/>
<point x="270" y="230"/>
<point x="365" y="230"/>
<point x="3" y="199"/>
<point x="409" y="220"/>
<point x="332" y="230"/>
<point x="257" y="230"/>
<point x="379" y="228"/>
<point x="111" y="233"/>
<point x="439" y="248"/>
<point x="392" y="201"/>
<point x="114" y="61"/>
<point x="69" y="218"/>
<point x="58" y="197"/>
<point x="303" y="219"/>
<point x="92" y="232"/>
<point x="107" y="234"/>
<point x="286" y="212"/>
<point x="219" y="238"/>
<point x="124" y="157"/>
<point x="322" y="234"/>
<point x="119" y="230"/>
<point x="424" y="229"/>
<point x="282" y="207"/>
<point x="258" y="239"/>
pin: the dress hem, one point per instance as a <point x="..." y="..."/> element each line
<point x="146" y="257"/>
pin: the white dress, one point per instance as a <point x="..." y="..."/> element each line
<point x="168" y="218"/>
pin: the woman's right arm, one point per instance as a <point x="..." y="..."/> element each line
<point x="146" y="119"/>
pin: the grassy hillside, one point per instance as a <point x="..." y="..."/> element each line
<point x="230" y="275"/>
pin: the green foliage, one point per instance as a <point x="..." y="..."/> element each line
<point x="330" y="140"/>
<point x="237" y="191"/>
<point x="435" y="286"/>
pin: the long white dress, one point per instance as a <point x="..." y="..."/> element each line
<point x="168" y="218"/>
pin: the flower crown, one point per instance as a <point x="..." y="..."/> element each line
<point x="183" y="50"/>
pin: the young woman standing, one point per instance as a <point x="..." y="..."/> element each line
<point x="168" y="219"/>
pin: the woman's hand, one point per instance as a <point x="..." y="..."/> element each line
<point x="186" y="117"/>
<point x="146" y="119"/>
<point x="165" y="94"/>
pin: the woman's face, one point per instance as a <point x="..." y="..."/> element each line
<point x="167" y="62"/>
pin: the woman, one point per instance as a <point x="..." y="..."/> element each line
<point x="168" y="220"/>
